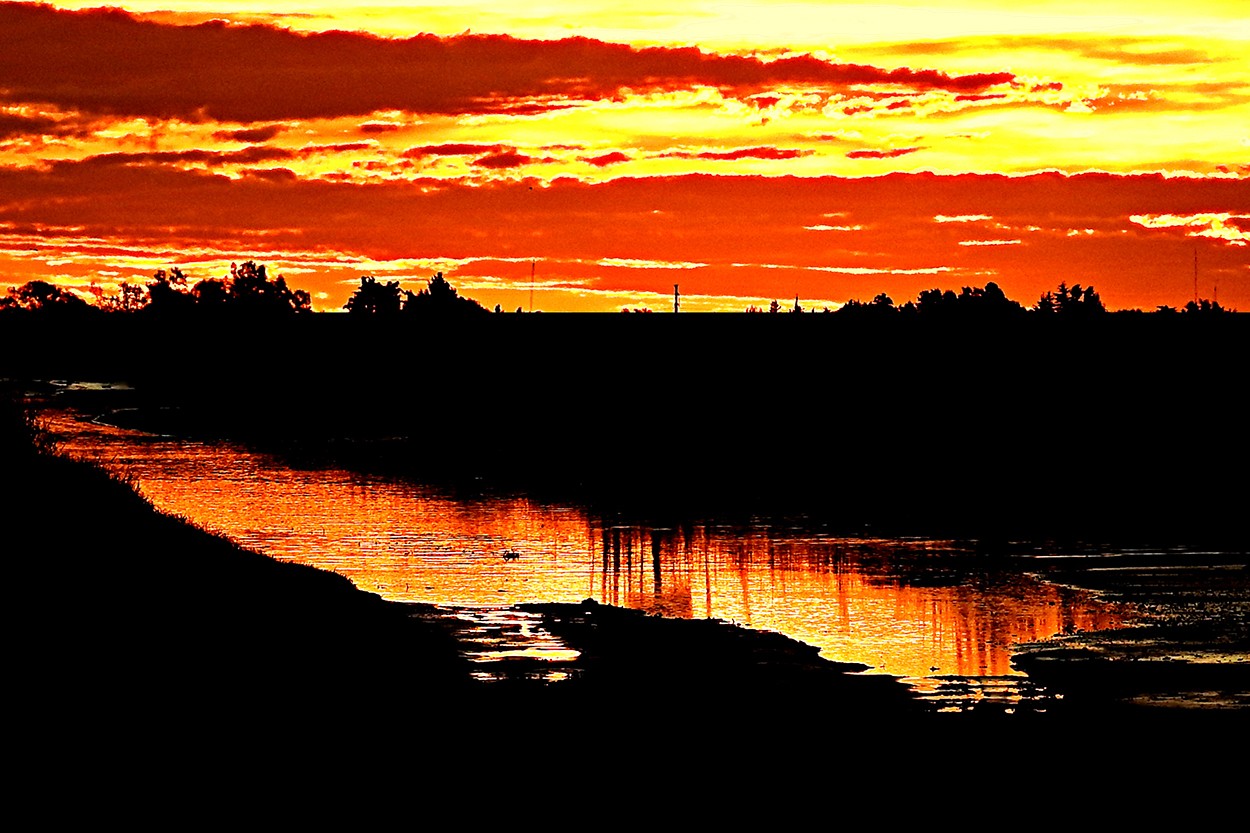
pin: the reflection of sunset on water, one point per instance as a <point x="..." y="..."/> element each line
<point x="894" y="605"/>
<point x="844" y="595"/>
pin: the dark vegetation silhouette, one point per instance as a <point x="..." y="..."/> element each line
<point x="373" y="298"/>
<point x="43" y="297"/>
<point x="439" y="298"/>
<point x="249" y="289"/>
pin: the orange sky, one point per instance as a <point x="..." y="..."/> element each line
<point x="749" y="151"/>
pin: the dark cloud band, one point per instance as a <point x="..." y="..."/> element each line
<point x="90" y="62"/>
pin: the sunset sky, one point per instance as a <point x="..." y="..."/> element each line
<point x="747" y="151"/>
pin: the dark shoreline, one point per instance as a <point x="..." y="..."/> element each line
<point x="167" y="609"/>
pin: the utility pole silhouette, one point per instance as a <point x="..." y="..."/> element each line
<point x="675" y="296"/>
<point x="531" y="286"/>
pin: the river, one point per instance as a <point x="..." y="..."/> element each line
<point x="933" y="612"/>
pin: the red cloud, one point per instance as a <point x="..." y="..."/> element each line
<point x="451" y="149"/>
<point x="980" y="97"/>
<point x="606" y="159"/>
<point x="248" y="155"/>
<point x="12" y="125"/>
<point x="741" y="153"/>
<point x="881" y="154"/>
<point x="250" y="134"/>
<point x="261" y="73"/>
<point x="506" y="159"/>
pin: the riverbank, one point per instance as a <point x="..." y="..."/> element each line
<point x="159" y="608"/>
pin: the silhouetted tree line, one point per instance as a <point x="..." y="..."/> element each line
<point x="248" y="289"/>
<point x="990" y="302"/>
<point x="387" y="299"/>
<point x="978" y="302"/>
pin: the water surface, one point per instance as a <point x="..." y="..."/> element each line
<point x="932" y="612"/>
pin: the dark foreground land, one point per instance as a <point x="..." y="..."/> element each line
<point x="1126" y="433"/>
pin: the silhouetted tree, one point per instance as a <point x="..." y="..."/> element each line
<point x="373" y="298"/>
<point x="210" y="294"/>
<point x="935" y="301"/>
<point x="774" y="306"/>
<point x="441" y="299"/>
<point x="971" y="301"/>
<point x="44" y="297"/>
<point x="1203" y="307"/>
<point x="128" y="298"/>
<point x="168" y="292"/>
<point x="1071" y="302"/>
<point x="250" y="290"/>
<point x="881" y="306"/>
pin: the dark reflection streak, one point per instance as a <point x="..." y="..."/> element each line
<point x="642" y="565"/>
<point x="604" y="581"/>
<point x="707" y="572"/>
<point x="590" y="564"/>
<point x="616" y="566"/>
<point x="629" y="564"/>
<point x="744" y="580"/>
<point x="657" y="577"/>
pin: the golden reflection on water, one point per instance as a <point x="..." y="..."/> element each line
<point x="890" y="604"/>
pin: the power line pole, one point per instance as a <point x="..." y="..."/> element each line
<point x="675" y="297"/>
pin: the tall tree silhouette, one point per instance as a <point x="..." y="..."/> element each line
<point x="168" y="292"/>
<point x="373" y="298"/>
<point x="251" y="290"/>
<point x="1070" y="302"/>
<point x="440" y="298"/>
